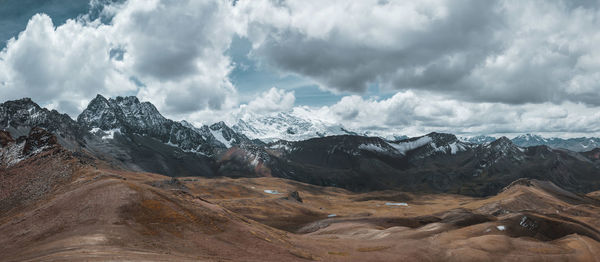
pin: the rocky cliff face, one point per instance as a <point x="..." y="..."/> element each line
<point x="18" y="117"/>
<point x="13" y="151"/>
<point x="127" y="115"/>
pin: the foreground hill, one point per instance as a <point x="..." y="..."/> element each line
<point x="57" y="205"/>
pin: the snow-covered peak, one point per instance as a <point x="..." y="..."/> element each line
<point x="529" y="140"/>
<point x="502" y="148"/>
<point x="121" y="112"/>
<point x="481" y="139"/>
<point x="291" y="126"/>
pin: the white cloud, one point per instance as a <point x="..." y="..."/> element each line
<point x="273" y="100"/>
<point x="461" y="66"/>
<point x="416" y="113"/>
<point x="59" y="66"/>
<point x="493" y="51"/>
<point x="170" y="53"/>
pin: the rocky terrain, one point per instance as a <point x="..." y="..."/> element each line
<point x="86" y="196"/>
<point x="133" y="135"/>
<point x="60" y="206"/>
<point x="435" y="163"/>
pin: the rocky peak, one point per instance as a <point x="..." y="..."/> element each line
<point x="227" y="136"/>
<point x="101" y="114"/>
<point x="186" y="124"/>
<point x="218" y="125"/>
<point x="529" y="140"/>
<point x="442" y="138"/>
<point x="121" y="112"/>
<point x="14" y="151"/>
<point x="19" y="116"/>
<point x="502" y="142"/>
<point x="502" y="148"/>
<point x="481" y="139"/>
<point x="130" y="116"/>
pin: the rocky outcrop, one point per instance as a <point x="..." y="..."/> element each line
<point x="14" y="151"/>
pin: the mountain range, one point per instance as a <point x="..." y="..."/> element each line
<point x="579" y="144"/>
<point x="122" y="182"/>
<point x="133" y="135"/>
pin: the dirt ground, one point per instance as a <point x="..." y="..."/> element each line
<point x="100" y="214"/>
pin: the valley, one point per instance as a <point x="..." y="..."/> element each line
<point x="98" y="214"/>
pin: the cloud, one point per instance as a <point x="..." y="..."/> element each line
<point x="461" y="66"/>
<point x="168" y="52"/>
<point x="416" y="113"/>
<point x="273" y="100"/>
<point x="493" y="51"/>
<point x="59" y="66"/>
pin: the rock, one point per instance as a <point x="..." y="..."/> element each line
<point x="294" y="195"/>
<point x="5" y="138"/>
<point x="39" y="139"/>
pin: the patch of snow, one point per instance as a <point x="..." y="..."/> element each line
<point x="254" y="162"/>
<point x="218" y="134"/>
<point x="396" y="204"/>
<point x="11" y="154"/>
<point x="110" y="134"/>
<point x="453" y="148"/>
<point x="332" y="215"/>
<point x="501" y="228"/>
<point x="272" y="192"/>
<point x="281" y="146"/>
<point x="372" y="147"/>
<point x="404" y="147"/>
<point x="171" y="144"/>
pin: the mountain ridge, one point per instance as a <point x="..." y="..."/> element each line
<point x="134" y="135"/>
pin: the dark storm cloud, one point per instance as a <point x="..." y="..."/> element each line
<point x="494" y="51"/>
<point x="425" y="58"/>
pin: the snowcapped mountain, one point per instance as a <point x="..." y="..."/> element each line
<point x="481" y="139"/>
<point x="227" y="136"/>
<point x="530" y="140"/>
<point x="297" y="125"/>
<point x="289" y="126"/>
<point x="580" y="144"/>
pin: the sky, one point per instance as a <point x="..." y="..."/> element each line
<point x="467" y="67"/>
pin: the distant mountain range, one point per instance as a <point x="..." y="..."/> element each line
<point x="579" y="144"/>
<point x="133" y="135"/>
